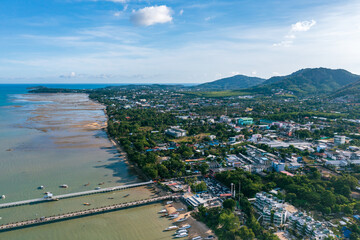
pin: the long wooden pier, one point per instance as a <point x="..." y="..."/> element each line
<point x="76" y="194"/>
<point x="82" y="213"/>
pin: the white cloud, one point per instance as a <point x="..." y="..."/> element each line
<point x="181" y="12"/>
<point x="302" y="26"/>
<point x="151" y="15"/>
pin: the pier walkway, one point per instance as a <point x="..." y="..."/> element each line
<point x="76" y="194"/>
<point x="82" y="213"/>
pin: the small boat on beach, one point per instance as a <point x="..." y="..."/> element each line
<point x="181" y="220"/>
<point x="181" y="231"/>
<point x="87" y="204"/>
<point x="64" y="186"/>
<point x="186" y="226"/>
<point x="171" y="228"/>
<point x="162" y="211"/>
<point x="180" y="209"/>
<point x="175" y="216"/>
<point x="169" y="202"/>
<point x="182" y="235"/>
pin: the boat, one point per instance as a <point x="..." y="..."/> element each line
<point x="97" y="188"/>
<point x="64" y="186"/>
<point x="41" y="187"/>
<point x="186" y="226"/>
<point x="102" y="183"/>
<point x="169" y="202"/>
<point x="87" y="184"/>
<point x="180" y="209"/>
<point x="196" y="238"/>
<point x="165" y="215"/>
<point x="175" y="216"/>
<point x="87" y="204"/>
<point x="181" y="220"/>
<point x="162" y="211"/>
<point x="127" y="195"/>
<point x="181" y="231"/>
<point x="171" y="228"/>
<point x="3" y="197"/>
<point x="181" y="235"/>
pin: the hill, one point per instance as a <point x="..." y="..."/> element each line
<point x="350" y="93"/>
<point x="231" y="83"/>
<point x="306" y="82"/>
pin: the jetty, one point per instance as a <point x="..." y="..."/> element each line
<point x="76" y="194"/>
<point x="82" y="213"/>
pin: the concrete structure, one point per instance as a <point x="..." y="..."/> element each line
<point x="176" y="132"/>
<point x="245" y="121"/>
<point x="272" y="209"/>
<point x="278" y="166"/>
<point x="338" y="140"/>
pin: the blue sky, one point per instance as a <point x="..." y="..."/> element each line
<point x="173" y="41"/>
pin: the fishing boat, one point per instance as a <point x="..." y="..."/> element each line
<point x="87" y="184"/>
<point x="41" y="187"/>
<point x="127" y="195"/>
<point x="171" y="228"/>
<point x="97" y="188"/>
<point x="181" y="235"/>
<point x="169" y="202"/>
<point x="180" y="209"/>
<point x="162" y="211"/>
<point x="181" y="231"/>
<point x="186" y="226"/>
<point x="196" y="238"/>
<point x="175" y="216"/>
<point x="181" y="220"/>
<point x="3" y="197"/>
<point x="102" y="183"/>
<point x="87" y="204"/>
<point x="64" y="186"/>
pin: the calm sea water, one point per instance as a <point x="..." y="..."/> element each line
<point x="56" y="139"/>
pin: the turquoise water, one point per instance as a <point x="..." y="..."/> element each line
<point x="55" y="139"/>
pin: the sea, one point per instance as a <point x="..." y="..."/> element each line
<point x="54" y="139"/>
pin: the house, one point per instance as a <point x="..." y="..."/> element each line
<point x="175" y="132"/>
<point x="245" y="121"/>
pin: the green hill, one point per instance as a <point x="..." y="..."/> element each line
<point x="231" y="83"/>
<point x="350" y="92"/>
<point x="306" y="82"/>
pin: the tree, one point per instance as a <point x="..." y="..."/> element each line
<point x="245" y="233"/>
<point x="229" y="204"/>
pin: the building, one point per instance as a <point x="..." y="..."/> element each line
<point x="278" y="167"/>
<point x="271" y="209"/>
<point x="176" y="132"/>
<point x="338" y="140"/>
<point x="245" y="121"/>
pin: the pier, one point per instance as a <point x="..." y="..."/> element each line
<point x="76" y="194"/>
<point x="82" y="213"/>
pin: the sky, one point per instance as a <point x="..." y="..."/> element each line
<point x="173" y="41"/>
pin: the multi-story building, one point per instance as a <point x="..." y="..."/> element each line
<point x="338" y="140"/>
<point x="271" y="208"/>
<point x="176" y="132"/>
<point x="245" y="121"/>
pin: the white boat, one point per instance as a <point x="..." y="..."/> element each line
<point x="181" y="220"/>
<point x="180" y="209"/>
<point x="175" y="216"/>
<point x="97" y="188"/>
<point x="181" y="231"/>
<point x="41" y="187"/>
<point x="163" y="211"/>
<point x="181" y="235"/>
<point x="196" y="238"/>
<point x="173" y="227"/>
<point x="3" y="197"/>
<point x="169" y="202"/>
<point x="186" y="226"/>
<point x="64" y="186"/>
